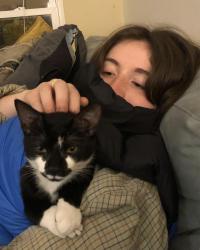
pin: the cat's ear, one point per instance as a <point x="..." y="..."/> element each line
<point x="30" y="119"/>
<point x="88" y="119"/>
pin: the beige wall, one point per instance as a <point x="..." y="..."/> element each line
<point x="94" y="17"/>
<point x="184" y="14"/>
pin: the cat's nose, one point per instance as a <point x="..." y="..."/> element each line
<point x="56" y="165"/>
<point x="57" y="171"/>
<point x="55" y="174"/>
<point x="53" y="171"/>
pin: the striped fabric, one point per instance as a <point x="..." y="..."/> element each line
<point x="119" y="212"/>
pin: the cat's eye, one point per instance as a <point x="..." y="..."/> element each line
<point x="72" y="149"/>
<point x="41" y="150"/>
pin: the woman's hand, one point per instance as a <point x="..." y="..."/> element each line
<point x="55" y="96"/>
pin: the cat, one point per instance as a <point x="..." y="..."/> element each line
<point x="60" y="149"/>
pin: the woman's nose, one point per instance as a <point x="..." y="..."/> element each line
<point x="118" y="86"/>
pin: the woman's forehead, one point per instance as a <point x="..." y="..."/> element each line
<point x="131" y="52"/>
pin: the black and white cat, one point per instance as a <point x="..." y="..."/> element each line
<point x="60" y="148"/>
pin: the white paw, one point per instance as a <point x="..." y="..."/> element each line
<point x="49" y="220"/>
<point x="68" y="219"/>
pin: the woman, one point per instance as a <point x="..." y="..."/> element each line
<point x="144" y="72"/>
<point x="174" y="61"/>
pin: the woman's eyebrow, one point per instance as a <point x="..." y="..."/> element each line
<point x="142" y="71"/>
<point x="137" y="70"/>
<point x="109" y="59"/>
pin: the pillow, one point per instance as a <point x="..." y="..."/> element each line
<point x="92" y="43"/>
<point x="181" y="132"/>
<point x="35" y="31"/>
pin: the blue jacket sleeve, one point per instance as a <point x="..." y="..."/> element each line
<point x="12" y="218"/>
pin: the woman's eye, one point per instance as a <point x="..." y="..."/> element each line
<point x="138" y="85"/>
<point x="106" y="73"/>
<point x="72" y="149"/>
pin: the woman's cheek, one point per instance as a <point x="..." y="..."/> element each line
<point x="137" y="97"/>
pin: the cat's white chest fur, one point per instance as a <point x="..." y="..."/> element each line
<point x="51" y="187"/>
<point x="48" y="186"/>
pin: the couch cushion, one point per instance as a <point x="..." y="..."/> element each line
<point x="181" y="131"/>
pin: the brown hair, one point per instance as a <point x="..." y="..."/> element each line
<point x="174" y="58"/>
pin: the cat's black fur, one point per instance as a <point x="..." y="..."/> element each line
<point x="48" y="178"/>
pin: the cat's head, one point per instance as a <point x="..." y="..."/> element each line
<point x="58" y="144"/>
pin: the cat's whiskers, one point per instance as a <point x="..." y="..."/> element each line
<point x="75" y="166"/>
<point x="29" y="172"/>
<point x="38" y="163"/>
<point x="48" y="186"/>
<point x="83" y="171"/>
<point x="51" y="187"/>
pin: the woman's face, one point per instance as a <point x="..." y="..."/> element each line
<point x="126" y="69"/>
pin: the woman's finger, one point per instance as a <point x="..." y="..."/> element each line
<point x="61" y="95"/>
<point x="84" y="101"/>
<point x="46" y="94"/>
<point x="74" y="99"/>
<point x="55" y="96"/>
<point x="33" y="98"/>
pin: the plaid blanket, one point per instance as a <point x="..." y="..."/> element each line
<point x="119" y="212"/>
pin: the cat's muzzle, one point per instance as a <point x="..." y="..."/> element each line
<point x="55" y="177"/>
